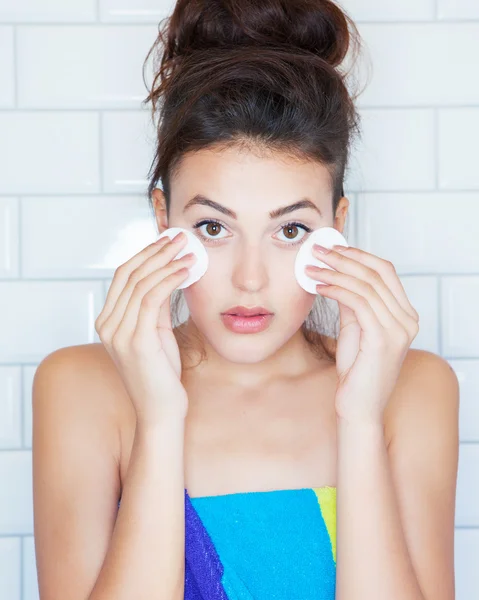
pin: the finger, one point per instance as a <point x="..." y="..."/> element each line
<point x="156" y="301"/>
<point x="157" y="261"/>
<point x="365" y="315"/>
<point x="121" y="277"/>
<point x="388" y="273"/>
<point x="381" y="299"/>
<point x="130" y="319"/>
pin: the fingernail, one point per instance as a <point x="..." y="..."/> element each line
<point x="340" y="248"/>
<point x="179" y="237"/>
<point x="163" y="240"/>
<point x="321" y="249"/>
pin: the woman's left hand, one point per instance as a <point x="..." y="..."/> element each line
<point x="377" y="326"/>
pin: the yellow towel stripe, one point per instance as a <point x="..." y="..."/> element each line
<point x="327" y="501"/>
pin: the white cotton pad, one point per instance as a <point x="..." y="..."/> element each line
<point x="324" y="236"/>
<point x="194" y="245"/>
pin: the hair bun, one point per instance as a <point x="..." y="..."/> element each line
<point x="317" y="26"/>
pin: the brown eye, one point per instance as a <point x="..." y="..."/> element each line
<point x="213" y="228"/>
<point x="290" y="231"/>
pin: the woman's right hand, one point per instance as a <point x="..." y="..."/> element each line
<point x="135" y="328"/>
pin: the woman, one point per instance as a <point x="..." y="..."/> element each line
<point x="282" y="463"/>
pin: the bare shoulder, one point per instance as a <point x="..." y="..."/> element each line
<point x="89" y="378"/>
<point x="427" y="389"/>
<point x="77" y="406"/>
<point x="423" y="453"/>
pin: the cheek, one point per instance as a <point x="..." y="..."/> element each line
<point x="298" y="302"/>
<point x="202" y="295"/>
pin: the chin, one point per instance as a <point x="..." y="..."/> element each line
<point x="246" y="348"/>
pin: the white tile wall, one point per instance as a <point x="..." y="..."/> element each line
<point x="457" y="166"/>
<point x="38" y="11"/>
<point x="133" y="12"/>
<point x="378" y="10"/>
<point x="422" y="64"/>
<point x="7" y="68"/>
<point x="457" y="9"/>
<point x="54" y="71"/>
<point x="45" y="152"/>
<point x="75" y="147"/>
<point x="128" y="144"/>
<point x="10" y="568"/>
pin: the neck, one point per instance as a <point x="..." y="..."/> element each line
<point x="294" y="359"/>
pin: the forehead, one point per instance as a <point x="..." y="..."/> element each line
<point x="244" y="180"/>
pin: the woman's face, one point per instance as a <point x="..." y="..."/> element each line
<point x="251" y="254"/>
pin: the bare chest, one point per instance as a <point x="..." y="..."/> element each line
<point x="280" y="438"/>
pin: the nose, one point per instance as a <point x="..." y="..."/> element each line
<point x="250" y="273"/>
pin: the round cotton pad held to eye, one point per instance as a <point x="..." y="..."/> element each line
<point x="324" y="236"/>
<point x="193" y="244"/>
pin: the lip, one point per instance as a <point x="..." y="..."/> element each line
<point x="244" y="311"/>
<point x="242" y="324"/>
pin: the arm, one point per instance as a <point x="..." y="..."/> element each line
<point x="87" y="547"/>
<point x="395" y="506"/>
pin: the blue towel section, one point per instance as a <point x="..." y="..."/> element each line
<point x="272" y="545"/>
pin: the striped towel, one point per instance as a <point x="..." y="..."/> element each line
<point x="272" y="545"/>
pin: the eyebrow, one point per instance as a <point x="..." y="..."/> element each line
<point x="274" y="214"/>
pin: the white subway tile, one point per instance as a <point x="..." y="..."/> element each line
<point x="460" y="317"/>
<point x="7" y="74"/>
<point x="351" y="218"/>
<point x="128" y="150"/>
<point x="458" y="150"/>
<point x="16" y="495"/>
<point x="49" y="153"/>
<point x="422" y="294"/>
<point x="467" y="499"/>
<point x="10" y="408"/>
<point x="10" y="568"/>
<point x="98" y="67"/>
<point x="123" y="225"/>
<point x="424" y="64"/>
<point x="466" y="549"/>
<point x="416" y="232"/>
<point x="30" y="582"/>
<point x="139" y="11"/>
<point x="457" y="9"/>
<point x="467" y="372"/>
<point x="9" y="237"/>
<point x="47" y="10"/>
<point x="28" y="375"/>
<point x="395" y="151"/>
<point x="39" y="317"/>
<point x="378" y="10"/>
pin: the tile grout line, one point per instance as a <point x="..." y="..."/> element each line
<point x="436" y="147"/>
<point x="152" y="21"/>
<point x="19" y="234"/>
<point x="379" y="107"/>
<point x="100" y="278"/>
<point x="22" y="406"/>
<point x="101" y="178"/>
<point x="22" y="568"/>
<point x="15" y="69"/>
<point x="141" y="192"/>
<point x="356" y="218"/>
<point x="440" y="341"/>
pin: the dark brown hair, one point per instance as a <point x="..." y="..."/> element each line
<point x="257" y="74"/>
